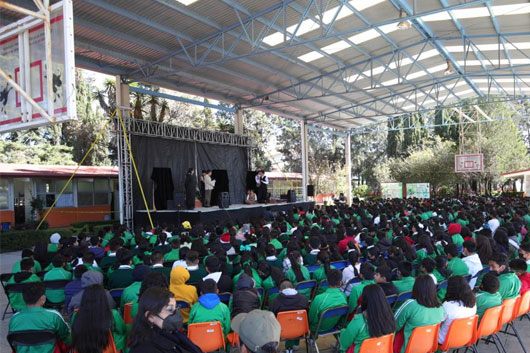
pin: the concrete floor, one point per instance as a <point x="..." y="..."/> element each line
<point x="324" y="343"/>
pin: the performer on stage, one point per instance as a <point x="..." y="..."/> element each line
<point x="209" y="184"/>
<point x="261" y="182"/>
<point x="190" y="186"/>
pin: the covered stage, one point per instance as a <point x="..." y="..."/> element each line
<point x="206" y="215"/>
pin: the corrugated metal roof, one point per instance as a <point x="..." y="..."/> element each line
<point x="55" y="171"/>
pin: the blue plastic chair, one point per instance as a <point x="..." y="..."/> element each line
<point x="339" y="312"/>
<point x="225" y="297"/>
<point x="181" y="304"/>
<point x="339" y="265"/>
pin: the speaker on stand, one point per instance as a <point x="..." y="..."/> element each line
<point x="291" y="196"/>
<point x="224" y="200"/>
<point x="311" y="190"/>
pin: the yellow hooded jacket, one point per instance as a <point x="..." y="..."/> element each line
<point x="181" y="290"/>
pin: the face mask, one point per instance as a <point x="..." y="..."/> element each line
<point x="172" y="322"/>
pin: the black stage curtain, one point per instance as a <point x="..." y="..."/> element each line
<point x="150" y="152"/>
<point x="221" y="185"/>
<point x="163" y="183"/>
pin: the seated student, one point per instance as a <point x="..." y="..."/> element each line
<point x="89" y="261"/>
<point x="376" y="320"/>
<point x="510" y="285"/>
<point x="311" y="258"/>
<point x="455" y="264"/>
<point x="73" y="287"/>
<point x="56" y="273"/>
<point x="213" y="267"/>
<point x="459" y="303"/>
<point x="27" y="254"/>
<point x="472" y="260"/>
<point x="524" y="253"/>
<point x="298" y="272"/>
<point x="131" y="292"/>
<point x="192" y="265"/>
<point x="324" y="262"/>
<point x="519" y="267"/>
<point x="245" y="297"/>
<point x="181" y="290"/>
<point x="351" y="271"/>
<point x="488" y="295"/>
<point x="121" y="275"/>
<point x="332" y="297"/>
<point x="288" y="299"/>
<point x="88" y="279"/>
<point x="383" y="277"/>
<point x="157" y="263"/>
<point x="35" y="317"/>
<point x="454" y="230"/>
<point x="271" y="277"/>
<point x="24" y="276"/>
<point x="251" y="198"/>
<point x="427" y="267"/>
<point x="93" y="323"/>
<point x="367" y="277"/>
<point x="264" y="340"/>
<point x="424" y="309"/>
<point x="209" y="307"/>
<point x="271" y="258"/>
<point x="55" y="239"/>
<point x="173" y="254"/>
<point x="110" y="258"/>
<point x="406" y="280"/>
<point x="426" y="248"/>
<point x="153" y="279"/>
<point x="95" y="247"/>
<point x="161" y="243"/>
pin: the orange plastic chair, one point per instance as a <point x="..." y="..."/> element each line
<point x="127" y="318"/>
<point x="516" y="305"/>
<point x="424" y="339"/>
<point x="111" y="346"/>
<point x="490" y="326"/>
<point x="208" y="336"/>
<point x="509" y="310"/>
<point x="233" y="339"/>
<point x="461" y="333"/>
<point x="524" y="305"/>
<point x="381" y="344"/>
<point x="294" y="325"/>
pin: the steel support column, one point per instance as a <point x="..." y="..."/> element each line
<point x="305" y="169"/>
<point x="238" y="122"/>
<point x="347" y="154"/>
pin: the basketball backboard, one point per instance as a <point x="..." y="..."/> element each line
<point x="465" y="163"/>
<point x="34" y="92"/>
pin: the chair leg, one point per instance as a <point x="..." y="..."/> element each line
<point x="5" y="311"/>
<point x="307" y="345"/>
<point x="500" y="342"/>
<point x="517" y="335"/>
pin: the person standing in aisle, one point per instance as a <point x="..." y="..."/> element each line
<point x="209" y="184"/>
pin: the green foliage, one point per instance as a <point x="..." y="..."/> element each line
<point x="361" y="191"/>
<point x="89" y="225"/>
<point x="14" y="240"/>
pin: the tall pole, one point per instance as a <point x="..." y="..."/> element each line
<point x="238" y="122"/>
<point x="303" y="135"/>
<point x="347" y="154"/>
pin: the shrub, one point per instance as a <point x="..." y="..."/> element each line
<point x="14" y="240"/>
<point x="89" y="225"/>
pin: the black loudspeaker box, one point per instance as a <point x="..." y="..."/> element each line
<point x="310" y="190"/>
<point x="179" y="200"/>
<point x="224" y="201"/>
<point x="291" y="196"/>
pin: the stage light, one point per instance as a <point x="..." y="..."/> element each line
<point x="449" y="69"/>
<point x="403" y="25"/>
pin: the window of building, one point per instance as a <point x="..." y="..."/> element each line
<point x="49" y="189"/>
<point x="92" y="192"/>
<point x="4" y="194"/>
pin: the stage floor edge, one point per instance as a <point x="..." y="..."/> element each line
<point x="236" y="213"/>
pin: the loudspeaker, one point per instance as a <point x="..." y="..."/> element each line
<point x="310" y="190"/>
<point x="179" y="200"/>
<point x="291" y="196"/>
<point x="224" y="200"/>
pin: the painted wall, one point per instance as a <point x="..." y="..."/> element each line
<point x="7" y="216"/>
<point x="61" y="217"/>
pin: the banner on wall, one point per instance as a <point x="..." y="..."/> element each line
<point x="392" y="190"/>
<point x="419" y="190"/>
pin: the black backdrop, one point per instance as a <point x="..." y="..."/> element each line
<point x="151" y="152"/>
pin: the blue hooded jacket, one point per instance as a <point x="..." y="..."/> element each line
<point x="209" y="300"/>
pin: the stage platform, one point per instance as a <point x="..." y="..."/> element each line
<point x="207" y="215"/>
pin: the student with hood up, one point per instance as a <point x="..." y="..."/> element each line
<point x="181" y="290"/>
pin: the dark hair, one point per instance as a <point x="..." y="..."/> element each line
<point x="192" y="256"/>
<point x="93" y="321"/>
<point x="405" y="268"/>
<point x="470" y="245"/>
<point x="40" y="253"/>
<point x="375" y="307"/>
<point x="353" y="258"/>
<point x="323" y="258"/>
<point x="518" y="265"/>
<point x="490" y="283"/>
<point x="58" y="261"/>
<point x="153" y="279"/>
<point x="458" y="290"/>
<point x="157" y="256"/>
<point x="428" y="264"/>
<point x="27" y="253"/>
<point x="367" y="271"/>
<point x="212" y="263"/>
<point x="208" y="286"/>
<point x="79" y="270"/>
<point x="451" y="249"/>
<point x="314" y="242"/>
<point x="499" y="258"/>
<point x="425" y="242"/>
<point x="385" y="271"/>
<point x="424" y="291"/>
<point x="293" y="258"/>
<point x="26" y="264"/>
<point x="151" y="302"/>
<point x="33" y="292"/>
<point x="334" y="278"/>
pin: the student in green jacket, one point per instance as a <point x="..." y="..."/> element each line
<point x="331" y="298"/>
<point x="524" y="253"/>
<point x="121" y="276"/>
<point x="209" y="307"/>
<point x="298" y="272"/>
<point x="27" y="253"/>
<point x="510" y="285"/>
<point x="157" y="263"/>
<point x="376" y="320"/>
<point x="35" y="317"/>
<point x="406" y="280"/>
<point x="366" y="274"/>
<point x="488" y="295"/>
<point x="174" y="252"/>
<point x="311" y="258"/>
<point x="130" y="293"/>
<point x="24" y="276"/>
<point x="196" y="270"/>
<point x="271" y="277"/>
<point x="153" y="279"/>
<point x="272" y="257"/>
<point x="424" y="309"/>
<point x="93" y="324"/>
<point x="455" y="264"/>
<point x="56" y="273"/>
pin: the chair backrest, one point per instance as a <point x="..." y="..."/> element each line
<point x="391" y="298"/>
<point x="127" y="317"/>
<point x="462" y="332"/>
<point x="339" y="265"/>
<point x="489" y="324"/>
<point x="208" y="336"/>
<point x="509" y="309"/>
<point x="381" y="344"/>
<point x="16" y="287"/>
<point x="424" y="339"/>
<point x="225" y="297"/>
<point x="323" y="284"/>
<point x="294" y="324"/>
<point x="306" y="284"/>
<point x="116" y="292"/>
<point x="56" y="283"/>
<point x="524" y="305"/>
<point x="353" y="281"/>
<point x="5" y="277"/>
<point x="261" y="291"/>
<point x="441" y="285"/>
<point x="468" y="278"/>
<point x="31" y="338"/>
<point x="312" y="268"/>
<point x="338" y="312"/>
<point x="181" y="304"/>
